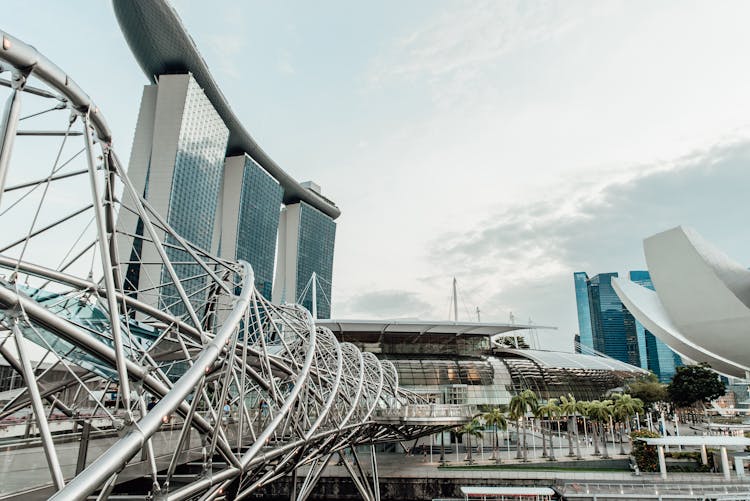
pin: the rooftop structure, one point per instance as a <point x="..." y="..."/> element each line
<point x="162" y="46"/>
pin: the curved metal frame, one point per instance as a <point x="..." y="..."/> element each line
<point x="264" y="389"/>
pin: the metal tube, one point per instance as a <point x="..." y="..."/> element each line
<point x="375" y="475"/>
<point x="362" y="488"/>
<point x="36" y="404"/>
<point x="8" y="128"/>
<point x="184" y="433"/>
<point x="109" y="283"/>
<point x="117" y="456"/>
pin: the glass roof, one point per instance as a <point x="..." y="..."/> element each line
<point x="574" y="360"/>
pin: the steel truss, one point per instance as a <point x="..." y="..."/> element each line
<point x="245" y="389"/>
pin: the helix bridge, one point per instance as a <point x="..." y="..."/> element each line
<point x="193" y="386"/>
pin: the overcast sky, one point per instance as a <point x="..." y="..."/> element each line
<point x="508" y="143"/>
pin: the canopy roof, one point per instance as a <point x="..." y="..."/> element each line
<point x="341" y="326"/>
<point x="564" y="360"/>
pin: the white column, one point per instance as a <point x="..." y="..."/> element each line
<point x="704" y="454"/>
<point x="725" y="463"/>
<point x="662" y="462"/>
<point x="739" y="466"/>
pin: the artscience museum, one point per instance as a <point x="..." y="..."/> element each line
<point x="701" y="303"/>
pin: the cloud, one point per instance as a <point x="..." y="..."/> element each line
<point x="522" y="259"/>
<point x="284" y="63"/>
<point x="459" y="44"/>
<point x="227" y="49"/>
<point x="386" y="304"/>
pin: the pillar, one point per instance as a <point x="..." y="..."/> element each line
<point x="704" y="455"/>
<point x="725" y="463"/>
<point x="662" y="462"/>
<point x="739" y="466"/>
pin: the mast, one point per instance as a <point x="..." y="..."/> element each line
<point x="455" y="301"/>
<point x="314" y="295"/>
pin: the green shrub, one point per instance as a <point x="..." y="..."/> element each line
<point x="646" y="456"/>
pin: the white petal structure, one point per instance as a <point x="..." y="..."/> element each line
<point x="701" y="307"/>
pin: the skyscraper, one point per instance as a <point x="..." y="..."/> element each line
<point x="608" y="320"/>
<point x="251" y="202"/>
<point x="306" y="241"/>
<point x="580" y="281"/>
<point x="229" y="208"/>
<point x="176" y="162"/>
<point x="614" y="331"/>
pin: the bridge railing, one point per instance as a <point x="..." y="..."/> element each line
<point x="428" y="411"/>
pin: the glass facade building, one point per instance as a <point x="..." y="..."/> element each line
<point x="317" y="236"/>
<point x="306" y="245"/>
<point x="195" y="190"/>
<point x="177" y="162"/>
<point x="608" y="324"/>
<point x="230" y="206"/>
<point x="258" y="223"/>
<point x="585" y="337"/>
<point x="614" y="330"/>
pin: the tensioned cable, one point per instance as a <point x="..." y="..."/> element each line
<point x="44" y="194"/>
<point x="35" y="186"/>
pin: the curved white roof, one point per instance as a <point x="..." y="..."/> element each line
<point x="700" y="307"/>
<point x="644" y="304"/>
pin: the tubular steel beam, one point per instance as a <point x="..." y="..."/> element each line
<point x="9" y="126"/>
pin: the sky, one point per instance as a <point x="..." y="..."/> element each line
<point x="506" y="143"/>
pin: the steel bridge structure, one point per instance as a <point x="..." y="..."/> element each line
<point x="191" y="387"/>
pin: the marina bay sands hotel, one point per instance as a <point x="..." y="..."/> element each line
<point x="195" y="162"/>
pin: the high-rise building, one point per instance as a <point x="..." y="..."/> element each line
<point x="656" y="356"/>
<point x="306" y="241"/>
<point x="580" y="280"/>
<point x="608" y="320"/>
<point x="615" y="332"/>
<point x="177" y="163"/>
<point x="186" y="129"/>
<point x="251" y="202"/>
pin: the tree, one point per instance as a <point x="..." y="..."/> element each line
<point x="548" y="410"/>
<point x="471" y="429"/>
<point x="648" y="390"/>
<point x="624" y="407"/>
<point x="694" y="383"/>
<point x="519" y="405"/>
<point x="599" y="412"/>
<point x="495" y="418"/>
<point x="571" y="407"/>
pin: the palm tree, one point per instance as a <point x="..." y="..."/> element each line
<point x="624" y="407"/>
<point x="570" y="407"/>
<point x="549" y="410"/>
<point x="495" y="418"/>
<point x="471" y="429"/>
<point x="519" y="405"/>
<point x="599" y="411"/>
